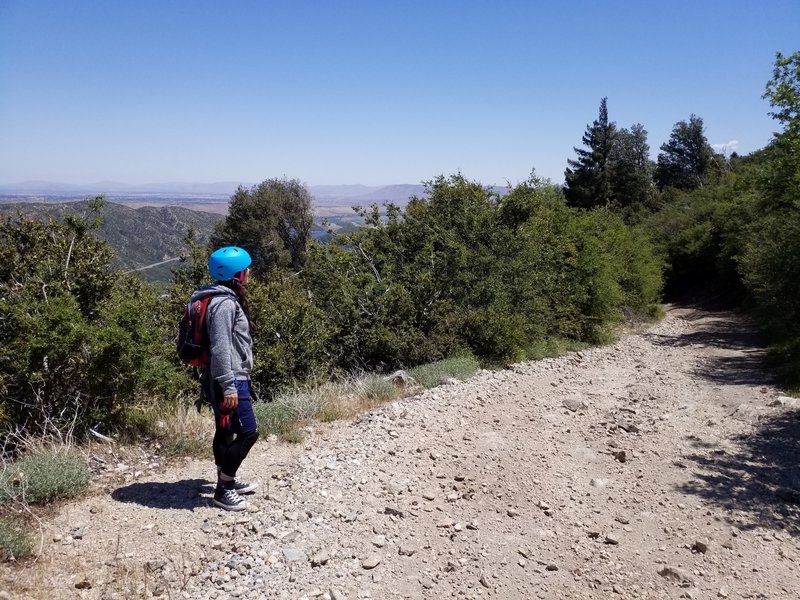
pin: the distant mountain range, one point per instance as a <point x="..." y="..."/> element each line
<point x="324" y="195"/>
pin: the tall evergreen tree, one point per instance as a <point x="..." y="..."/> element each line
<point x="588" y="178"/>
<point x="685" y="160"/>
<point x="632" y="170"/>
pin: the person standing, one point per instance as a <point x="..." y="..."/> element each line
<point x="226" y="383"/>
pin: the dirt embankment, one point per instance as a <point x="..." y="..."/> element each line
<point x="664" y="466"/>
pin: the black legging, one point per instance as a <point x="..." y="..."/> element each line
<point x="230" y="449"/>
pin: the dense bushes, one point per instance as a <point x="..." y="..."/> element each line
<point x="738" y="238"/>
<point x="463" y="269"/>
<point x="77" y="339"/>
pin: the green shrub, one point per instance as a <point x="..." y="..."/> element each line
<point x="433" y="374"/>
<point x="632" y="264"/>
<point x="78" y="340"/>
<point x="288" y="408"/>
<point x="377" y="390"/>
<point x="293" y="436"/>
<point x="770" y="267"/>
<point x="273" y="417"/>
<point x="291" y="334"/>
<point x="42" y="477"/>
<point x="13" y="541"/>
<point x="551" y="348"/>
<point x="187" y="446"/>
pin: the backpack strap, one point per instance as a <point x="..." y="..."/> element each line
<point x="200" y="307"/>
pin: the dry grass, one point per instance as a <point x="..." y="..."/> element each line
<point x="177" y="426"/>
<point x="327" y="402"/>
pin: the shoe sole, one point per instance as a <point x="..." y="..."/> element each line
<point x="233" y="507"/>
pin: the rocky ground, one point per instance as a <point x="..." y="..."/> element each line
<point x="664" y="466"/>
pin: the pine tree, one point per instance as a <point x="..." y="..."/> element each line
<point x="685" y="159"/>
<point x="588" y="178"/>
<point x="632" y="170"/>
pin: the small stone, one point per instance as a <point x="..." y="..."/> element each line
<point x="700" y="546"/>
<point x="336" y="594"/>
<point x="393" y="511"/>
<point x="379" y="541"/>
<point x="426" y="583"/>
<point x="676" y="574"/>
<point x="628" y="426"/>
<point x="723" y="592"/>
<point x="406" y="550"/>
<point x="444" y="523"/>
<point x="319" y="559"/>
<point x="294" y="555"/>
<point x="484" y="582"/>
<point x="429" y="495"/>
<point x="612" y="539"/>
<point x="84" y="584"/>
<point x="396" y="488"/>
<point x="156" y="565"/>
<point x="274" y="496"/>
<point x="552" y="567"/>
<point x="512" y="513"/>
<point x="572" y="404"/>
<point x="372" y="561"/>
<point x="621" y="456"/>
<point x="598" y="482"/>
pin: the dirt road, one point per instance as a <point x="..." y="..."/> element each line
<point x="664" y="466"/>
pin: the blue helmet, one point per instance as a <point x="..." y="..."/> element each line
<point x="226" y="262"/>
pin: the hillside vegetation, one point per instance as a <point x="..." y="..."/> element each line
<point x="139" y="237"/>
<point x="460" y="271"/>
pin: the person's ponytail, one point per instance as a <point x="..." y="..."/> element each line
<point x="241" y="293"/>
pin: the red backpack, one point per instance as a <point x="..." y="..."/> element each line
<point x="193" y="342"/>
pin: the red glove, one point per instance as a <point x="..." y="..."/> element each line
<point x="226" y="407"/>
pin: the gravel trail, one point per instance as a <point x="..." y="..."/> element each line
<point x="665" y="466"/>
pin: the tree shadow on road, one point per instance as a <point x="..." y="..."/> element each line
<point x="736" y="348"/>
<point x="185" y="494"/>
<point x="759" y="483"/>
<point x="750" y="368"/>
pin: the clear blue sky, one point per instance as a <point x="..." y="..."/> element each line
<point x="368" y="92"/>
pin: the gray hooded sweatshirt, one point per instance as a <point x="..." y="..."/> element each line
<point x="229" y="333"/>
